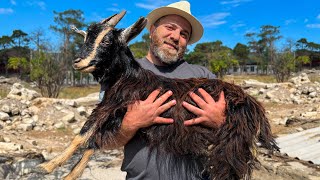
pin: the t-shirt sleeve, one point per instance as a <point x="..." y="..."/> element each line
<point x="206" y="73"/>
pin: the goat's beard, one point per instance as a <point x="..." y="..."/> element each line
<point x="165" y="55"/>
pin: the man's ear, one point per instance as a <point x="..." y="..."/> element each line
<point x="152" y="28"/>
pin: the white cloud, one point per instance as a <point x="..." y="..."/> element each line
<point x="6" y="11"/>
<point x="237" y="25"/>
<point x="290" y="21"/>
<point x="113" y="9"/>
<point x="234" y="3"/>
<point x="214" y="20"/>
<point x="146" y="6"/>
<point x="40" y="4"/>
<point x="13" y="2"/>
<point x="313" y="26"/>
<point x="152" y="4"/>
<point x="318" y="17"/>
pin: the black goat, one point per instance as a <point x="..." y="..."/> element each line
<point x="228" y="152"/>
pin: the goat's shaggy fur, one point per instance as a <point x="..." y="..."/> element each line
<point x="227" y="152"/>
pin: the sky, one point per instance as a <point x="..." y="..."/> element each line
<point x="224" y="20"/>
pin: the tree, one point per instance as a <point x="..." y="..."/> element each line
<point x="221" y="61"/>
<point x="140" y="48"/>
<point x="202" y="52"/>
<point x="241" y="52"/>
<point x="48" y="73"/>
<point x="5" y="41"/>
<point x="18" y="63"/>
<point x="63" y="20"/>
<point x="19" y="37"/>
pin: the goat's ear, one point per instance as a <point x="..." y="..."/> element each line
<point x="131" y="32"/>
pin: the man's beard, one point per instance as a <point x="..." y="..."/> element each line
<point x="166" y="56"/>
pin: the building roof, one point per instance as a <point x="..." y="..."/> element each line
<point x="304" y="145"/>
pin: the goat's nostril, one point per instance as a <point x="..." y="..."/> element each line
<point x="77" y="60"/>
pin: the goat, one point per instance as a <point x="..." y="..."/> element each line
<point x="227" y="152"/>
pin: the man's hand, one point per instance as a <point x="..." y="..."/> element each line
<point x="210" y="113"/>
<point x="142" y="114"/>
<point x="146" y="113"/>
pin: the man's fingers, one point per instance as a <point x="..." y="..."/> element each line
<point x="221" y="97"/>
<point x="162" y="120"/>
<point x="195" y="110"/>
<point x="197" y="99"/>
<point x="153" y="96"/>
<point x="166" y="106"/>
<point x="163" y="98"/>
<point x="191" y="122"/>
<point x="206" y="96"/>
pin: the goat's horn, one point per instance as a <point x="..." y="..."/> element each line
<point x="115" y="19"/>
<point x="74" y="28"/>
<point x="131" y="32"/>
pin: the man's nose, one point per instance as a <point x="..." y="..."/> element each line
<point x="175" y="35"/>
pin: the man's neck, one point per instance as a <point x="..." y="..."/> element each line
<point x="154" y="60"/>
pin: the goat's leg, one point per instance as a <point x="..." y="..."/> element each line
<point x="80" y="166"/>
<point x="48" y="167"/>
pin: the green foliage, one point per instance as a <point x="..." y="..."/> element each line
<point x="262" y="45"/>
<point x="18" y="62"/>
<point x="49" y="73"/>
<point x="5" y="41"/>
<point x="221" y="61"/>
<point x="287" y="63"/>
<point x="19" y="37"/>
<point x="140" y="48"/>
<point x="203" y="52"/>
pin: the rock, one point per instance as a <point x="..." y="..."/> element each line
<point x="76" y="130"/>
<point x="313" y="94"/>
<point x="82" y="111"/>
<point x="70" y="118"/>
<point x="6" y="139"/>
<point x="20" y="93"/>
<point x="269" y="95"/>
<point x="91" y="99"/>
<point x="4" y="116"/>
<point x="309" y="114"/>
<point x="59" y="125"/>
<point x="1" y="138"/>
<point x="25" y="127"/>
<point x="33" y="110"/>
<point x="301" y="79"/>
<point x="5" y="108"/>
<point x="71" y="103"/>
<point x="7" y="146"/>
<point x="5" y="169"/>
<point x="280" y="121"/>
<point x="33" y="142"/>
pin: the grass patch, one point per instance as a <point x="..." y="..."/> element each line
<point x="78" y="91"/>
<point x="238" y="79"/>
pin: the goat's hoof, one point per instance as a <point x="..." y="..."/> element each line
<point x="41" y="169"/>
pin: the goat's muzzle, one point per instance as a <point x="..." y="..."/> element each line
<point x="84" y="65"/>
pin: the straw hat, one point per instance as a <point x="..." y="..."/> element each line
<point x="181" y="8"/>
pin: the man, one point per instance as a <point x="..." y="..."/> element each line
<point x="171" y="28"/>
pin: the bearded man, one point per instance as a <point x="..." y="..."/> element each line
<point x="171" y="29"/>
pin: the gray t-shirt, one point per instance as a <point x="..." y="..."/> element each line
<point x="139" y="162"/>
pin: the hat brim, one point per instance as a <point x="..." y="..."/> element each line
<point x="197" y="29"/>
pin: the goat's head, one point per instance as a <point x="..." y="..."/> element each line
<point x="102" y="41"/>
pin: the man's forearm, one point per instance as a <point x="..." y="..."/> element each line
<point x="121" y="138"/>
